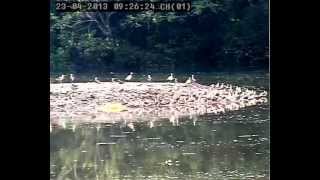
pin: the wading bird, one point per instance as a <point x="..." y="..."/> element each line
<point x="129" y="77"/>
<point x="192" y="78"/>
<point x="61" y="78"/>
<point x="170" y="78"/>
<point x="97" y="80"/>
<point x="116" y="80"/>
<point x="189" y="81"/>
<point x="71" y="78"/>
<point x="149" y="78"/>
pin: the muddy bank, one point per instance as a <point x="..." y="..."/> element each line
<point x="82" y="102"/>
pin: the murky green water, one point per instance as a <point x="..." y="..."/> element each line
<point x="230" y="146"/>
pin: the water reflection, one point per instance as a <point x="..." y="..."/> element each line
<point x="234" y="145"/>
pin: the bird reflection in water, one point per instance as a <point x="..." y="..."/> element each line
<point x="131" y="126"/>
<point x="98" y="127"/>
<point x="151" y="124"/>
<point x="174" y="120"/>
<point x="73" y="128"/>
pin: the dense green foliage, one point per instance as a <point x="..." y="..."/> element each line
<point x="215" y="35"/>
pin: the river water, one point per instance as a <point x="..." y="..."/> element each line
<point x="234" y="145"/>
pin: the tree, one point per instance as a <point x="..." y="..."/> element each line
<point x="216" y="34"/>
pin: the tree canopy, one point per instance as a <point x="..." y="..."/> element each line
<point x="215" y="35"/>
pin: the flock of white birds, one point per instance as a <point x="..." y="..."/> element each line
<point x="170" y="78"/>
<point x="216" y="98"/>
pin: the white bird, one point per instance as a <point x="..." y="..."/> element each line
<point x="129" y="77"/>
<point x="170" y="78"/>
<point x="71" y="77"/>
<point x="116" y="80"/>
<point x="192" y="78"/>
<point x="189" y="81"/>
<point x="61" y="78"/>
<point x="97" y="80"/>
<point x="149" y="78"/>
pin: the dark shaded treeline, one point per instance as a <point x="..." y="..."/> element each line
<point x="216" y="35"/>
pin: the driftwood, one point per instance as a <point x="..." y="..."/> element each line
<point x="80" y="102"/>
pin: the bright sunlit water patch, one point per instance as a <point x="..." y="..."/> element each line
<point x="234" y="145"/>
